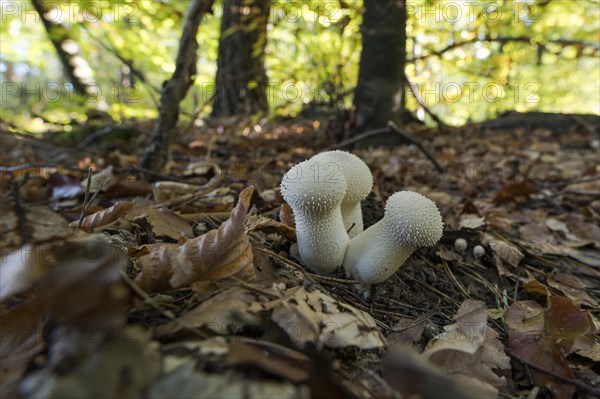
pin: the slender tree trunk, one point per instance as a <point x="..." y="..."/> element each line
<point x="379" y="95"/>
<point x="241" y="81"/>
<point x="174" y="90"/>
<point x="76" y="68"/>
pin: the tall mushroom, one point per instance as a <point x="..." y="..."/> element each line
<point x="359" y="179"/>
<point x="315" y="190"/>
<point x="411" y="221"/>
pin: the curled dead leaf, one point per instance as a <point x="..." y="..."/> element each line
<point x="215" y="255"/>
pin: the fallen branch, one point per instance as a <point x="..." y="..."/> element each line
<point x="392" y="127"/>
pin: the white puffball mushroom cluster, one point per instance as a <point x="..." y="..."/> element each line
<point x="316" y="196"/>
<point x="478" y="251"/>
<point x="460" y="244"/>
<point x="325" y="193"/>
<point x="411" y="220"/>
<point x="360" y="182"/>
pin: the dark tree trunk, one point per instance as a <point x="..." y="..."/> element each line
<point x="76" y="68"/>
<point x="174" y="90"/>
<point x="241" y="83"/>
<point x="379" y="95"/>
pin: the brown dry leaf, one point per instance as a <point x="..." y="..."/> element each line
<point x="318" y="318"/>
<point x="101" y="180"/>
<point x="78" y="280"/>
<point x="503" y="252"/>
<point x="282" y="362"/>
<point x="269" y="225"/>
<point x="168" y="190"/>
<point x="40" y="224"/>
<point x="590" y="257"/>
<point x="20" y="341"/>
<point x="515" y="190"/>
<point x="286" y="215"/>
<point x="533" y="285"/>
<point x="414" y="377"/>
<point x="545" y="337"/>
<point x="575" y="288"/>
<point x="471" y="348"/>
<point x="185" y="381"/>
<point x="559" y="226"/>
<point x="589" y="232"/>
<point x="224" y="313"/>
<point x="215" y="255"/>
<point x="120" y="364"/>
<point x="164" y="222"/>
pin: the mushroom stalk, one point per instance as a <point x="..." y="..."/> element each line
<point x="411" y="221"/>
<point x="315" y="195"/>
<point x="373" y="256"/>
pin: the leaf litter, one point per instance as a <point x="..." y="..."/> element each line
<point x="182" y="294"/>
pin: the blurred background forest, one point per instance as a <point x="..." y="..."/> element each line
<point x="466" y="60"/>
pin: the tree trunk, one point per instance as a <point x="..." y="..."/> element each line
<point x="241" y="81"/>
<point x="76" y="68"/>
<point x="174" y="90"/>
<point x="379" y="95"/>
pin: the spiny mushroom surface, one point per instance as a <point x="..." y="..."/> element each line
<point x="360" y="182"/>
<point x="411" y="221"/>
<point x="315" y="193"/>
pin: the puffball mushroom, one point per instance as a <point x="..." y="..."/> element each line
<point x="478" y="251"/>
<point x="360" y="182"/>
<point x="460" y="244"/>
<point x="315" y="194"/>
<point x="411" y="220"/>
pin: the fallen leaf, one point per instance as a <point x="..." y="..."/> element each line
<point x="471" y="222"/>
<point x="544" y="337"/>
<point x="318" y="318"/>
<point x="471" y="348"/>
<point x="575" y="288"/>
<point x="286" y="215"/>
<point x="515" y="190"/>
<point x="215" y="255"/>
<point x="269" y="225"/>
<point x="119" y="364"/>
<point x="223" y="314"/>
<point x="77" y="280"/>
<point x="101" y="181"/>
<point x="414" y="377"/>
<point x="164" y="222"/>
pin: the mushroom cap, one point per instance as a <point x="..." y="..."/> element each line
<point x="310" y="187"/>
<point x="460" y="244"/>
<point x="357" y="173"/>
<point x="478" y="251"/>
<point x="413" y="219"/>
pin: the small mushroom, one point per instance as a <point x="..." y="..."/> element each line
<point x="460" y="244"/>
<point x="478" y="251"/>
<point x="360" y="182"/>
<point x="315" y="193"/>
<point x="411" y="221"/>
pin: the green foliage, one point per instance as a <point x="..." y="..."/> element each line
<point x="467" y="59"/>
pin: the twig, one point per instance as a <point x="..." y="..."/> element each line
<point x="335" y="280"/>
<point x="406" y="136"/>
<point x="87" y="203"/>
<point x="167" y="313"/>
<point x="86" y="141"/>
<point x="392" y="127"/>
<point x="354" y="139"/>
<point x="577" y="384"/>
<point x="422" y="104"/>
<point x="254" y="288"/>
<point x="85" y="199"/>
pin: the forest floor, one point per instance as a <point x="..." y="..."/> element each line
<point x="112" y="286"/>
